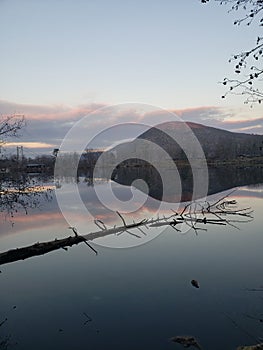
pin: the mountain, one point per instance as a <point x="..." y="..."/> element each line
<point x="217" y="144"/>
<point x="184" y="141"/>
<point x="153" y="155"/>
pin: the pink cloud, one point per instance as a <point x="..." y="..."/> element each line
<point x="55" y="112"/>
<point x="50" y="124"/>
<point x="200" y="109"/>
<point x="30" y="144"/>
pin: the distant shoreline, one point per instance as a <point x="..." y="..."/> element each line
<point x="241" y="162"/>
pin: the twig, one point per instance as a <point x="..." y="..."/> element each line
<point x="240" y="328"/>
<point x="95" y="251"/>
<point x="189" y="216"/>
<point x="83" y="240"/>
<point x="122" y="218"/>
<point x="100" y="224"/>
<point x="133" y="234"/>
<point x="254" y="318"/>
<point x="3" y="322"/>
<point x="221" y="199"/>
<point x="138" y="228"/>
<point x="89" y="319"/>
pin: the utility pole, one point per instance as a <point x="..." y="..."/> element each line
<point x="19" y="155"/>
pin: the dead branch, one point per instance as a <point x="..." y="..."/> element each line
<point x="193" y="214"/>
<point x="3" y="322"/>
<point x="39" y="249"/>
<point x="122" y="218"/>
<point x="100" y="224"/>
<point x="10" y="125"/>
<point x="243" y="330"/>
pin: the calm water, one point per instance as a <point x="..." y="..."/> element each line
<point x="135" y="297"/>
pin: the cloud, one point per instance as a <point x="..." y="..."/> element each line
<point x="222" y="118"/>
<point x="29" y="144"/>
<point x="48" y="125"/>
<point x="248" y="126"/>
<point x="54" y="112"/>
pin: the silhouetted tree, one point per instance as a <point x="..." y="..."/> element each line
<point x="10" y="126"/>
<point x="248" y="63"/>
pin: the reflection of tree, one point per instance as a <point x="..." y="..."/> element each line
<point x="17" y="191"/>
<point x="196" y="216"/>
<point x="23" y="194"/>
<point x="5" y="342"/>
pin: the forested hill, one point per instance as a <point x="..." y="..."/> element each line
<point x="217" y="144"/>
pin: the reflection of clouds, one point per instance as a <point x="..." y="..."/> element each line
<point x="34" y="219"/>
<point x="151" y="206"/>
<point x="250" y="192"/>
<point x="31" y="221"/>
<point x="52" y="224"/>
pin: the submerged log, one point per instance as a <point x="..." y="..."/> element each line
<point x="46" y="247"/>
<point x="187" y="216"/>
<point x="38" y="249"/>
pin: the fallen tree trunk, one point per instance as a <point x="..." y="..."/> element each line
<point x="46" y="247"/>
<point x="210" y="214"/>
<point x="38" y="249"/>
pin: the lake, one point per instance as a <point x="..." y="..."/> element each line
<point x="137" y="292"/>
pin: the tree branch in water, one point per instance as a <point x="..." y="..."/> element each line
<point x="193" y="215"/>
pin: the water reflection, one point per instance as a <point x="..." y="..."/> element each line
<point x="140" y="297"/>
<point x="24" y="193"/>
<point x="220" y="179"/>
<point x="220" y="212"/>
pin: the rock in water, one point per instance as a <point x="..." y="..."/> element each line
<point x="195" y="283"/>
<point x="186" y="341"/>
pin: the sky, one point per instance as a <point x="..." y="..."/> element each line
<point x="61" y="60"/>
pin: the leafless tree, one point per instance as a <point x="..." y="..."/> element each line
<point x="10" y="126"/>
<point x="248" y="70"/>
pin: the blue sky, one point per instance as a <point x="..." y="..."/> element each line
<point x="61" y="59"/>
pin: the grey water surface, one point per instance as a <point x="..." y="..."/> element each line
<point x="134" y="297"/>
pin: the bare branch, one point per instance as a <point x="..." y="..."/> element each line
<point x="122" y="219"/>
<point x="10" y="125"/>
<point x="247" y="64"/>
<point x="100" y="224"/>
<point x="190" y="215"/>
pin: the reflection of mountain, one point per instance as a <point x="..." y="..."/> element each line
<point x="226" y="177"/>
<point x="220" y="179"/>
<point x="127" y="175"/>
